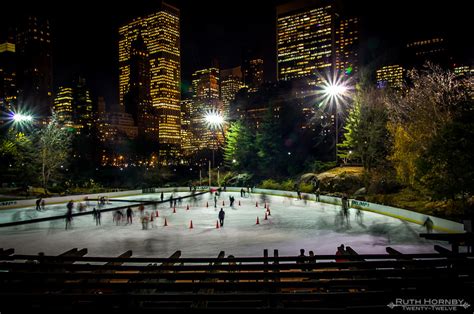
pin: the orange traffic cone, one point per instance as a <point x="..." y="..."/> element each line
<point x="151" y="217"/>
<point x="258" y="221"/>
<point x="256" y="204"/>
<point x="207" y="204"/>
<point x="187" y="207"/>
<point x="223" y="203"/>
<point x="157" y="214"/>
<point x="217" y="224"/>
<point x="174" y="210"/>
<point x="166" y="223"/>
<point x="191" y="225"/>
<point x="268" y="211"/>
<point x="266" y="218"/>
<point x="265" y="206"/>
<point x="239" y="203"/>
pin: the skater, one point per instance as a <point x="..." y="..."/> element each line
<point x="38" y="204"/>
<point x="43" y="204"/>
<point x="215" y="201"/>
<point x="221" y="217"/>
<point x="98" y="216"/>
<point x="141" y="209"/>
<point x="162" y="196"/>
<point x="242" y="192"/>
<point x="359" y="216"/>
<point x="318" y="195"/>
<point x="429" y="225"/>
<point x="298" y="192"/>
<point x="69" y="215"/>
<point x="118" y="216"/>
<point x="129" y="215"/>
<point x="171" y="201"/>
<point x="145" y="222"/>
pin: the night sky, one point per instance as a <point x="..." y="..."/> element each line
<point x="85" y="33"/>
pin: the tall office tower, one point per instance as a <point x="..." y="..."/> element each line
<point x="390" y="76"/>
<point x="35" y="73"/>
<point x="206" y="84"/>
<point x="433" y="49"/>
<point x="63" y="106"/>
<point x="82" y="107"/>
<point x="137" y="100"/>
<point x="8" y="79"/>
<point x="161" y="35"/>
<point x="187" y="140"/>
<point x="253" y="73"/>
<point x="231" y="83"/>
<point x="347" y="45"/>
<point x="313" y="38"/>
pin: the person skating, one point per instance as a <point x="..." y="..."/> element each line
<point x="98" y="217"/>
<point x="69" y="206"/>
<point x="242" y="192"/>
<point x="429" y="225"/>
<point x="215" y="201"/>
<point x="221" y="217"/>
<point x="162" y="196"/>
<point x="38" y="204"/>
<point x="129" y="215"/>
<point x="43" y="204"/>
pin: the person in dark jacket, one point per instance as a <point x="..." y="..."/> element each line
<point x="221" y="217"/>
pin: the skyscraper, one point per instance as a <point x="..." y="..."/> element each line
<point x="347" y="45"/>
<point x="312" y="38"/>
<point x="82" y="107"/>
<point x="161" y="35"/>
<point x="8" y="77"/>
<point x="35" y="75"/>
<point x="137" y="100"/>
<point x="390" y="76"/>
<point x="432" y="48"/>
<point x="231" y="83"/>
<point x="206" y="88"/>
<point x="63" y="106"/>
<point x="253" y="73"/>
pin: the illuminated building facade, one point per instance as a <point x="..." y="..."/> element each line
<point x="82" y="107"/>
<point x="433" y="49"/>
<point x="63" y="106"/>
<point x="253" y="73"/>
<point x="347" y="45"/>
<point x="313" y="38"/>
<point x="187" y="139"/>
<point x="305" y="42"/>
<point x="137" y="100"/>
<point x="231" y="83"/>
<point x="161" y="35"/>
<point x="206" y="98"/>
<point x="35" y="75"/>
<point x="390" y="76"/>
<point x="8" y="79"/>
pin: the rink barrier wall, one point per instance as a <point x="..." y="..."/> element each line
<point x="81" y="197"/>
<point x="440" y="224"/>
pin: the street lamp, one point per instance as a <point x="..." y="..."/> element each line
<point x="334" y="91"/>
<point x="214" y="121"/>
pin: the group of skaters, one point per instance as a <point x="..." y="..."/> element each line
<point x="244" y="193"/>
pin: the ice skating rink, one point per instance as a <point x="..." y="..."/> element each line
<point x="292" y="225"/>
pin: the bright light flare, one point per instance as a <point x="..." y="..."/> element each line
<point x="333" y="90"/>
<point x="18" y="117"/>
<point x="213" y="119"/>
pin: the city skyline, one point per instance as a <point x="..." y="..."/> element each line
<point x="214" y="31"/>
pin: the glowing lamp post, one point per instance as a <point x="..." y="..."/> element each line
<point x="334" y="92"/>
<point x="214" y="121"/>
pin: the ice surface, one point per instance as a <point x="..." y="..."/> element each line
<point x="292" y="225"/>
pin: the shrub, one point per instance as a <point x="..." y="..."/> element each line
<point x="270" y="184"/>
